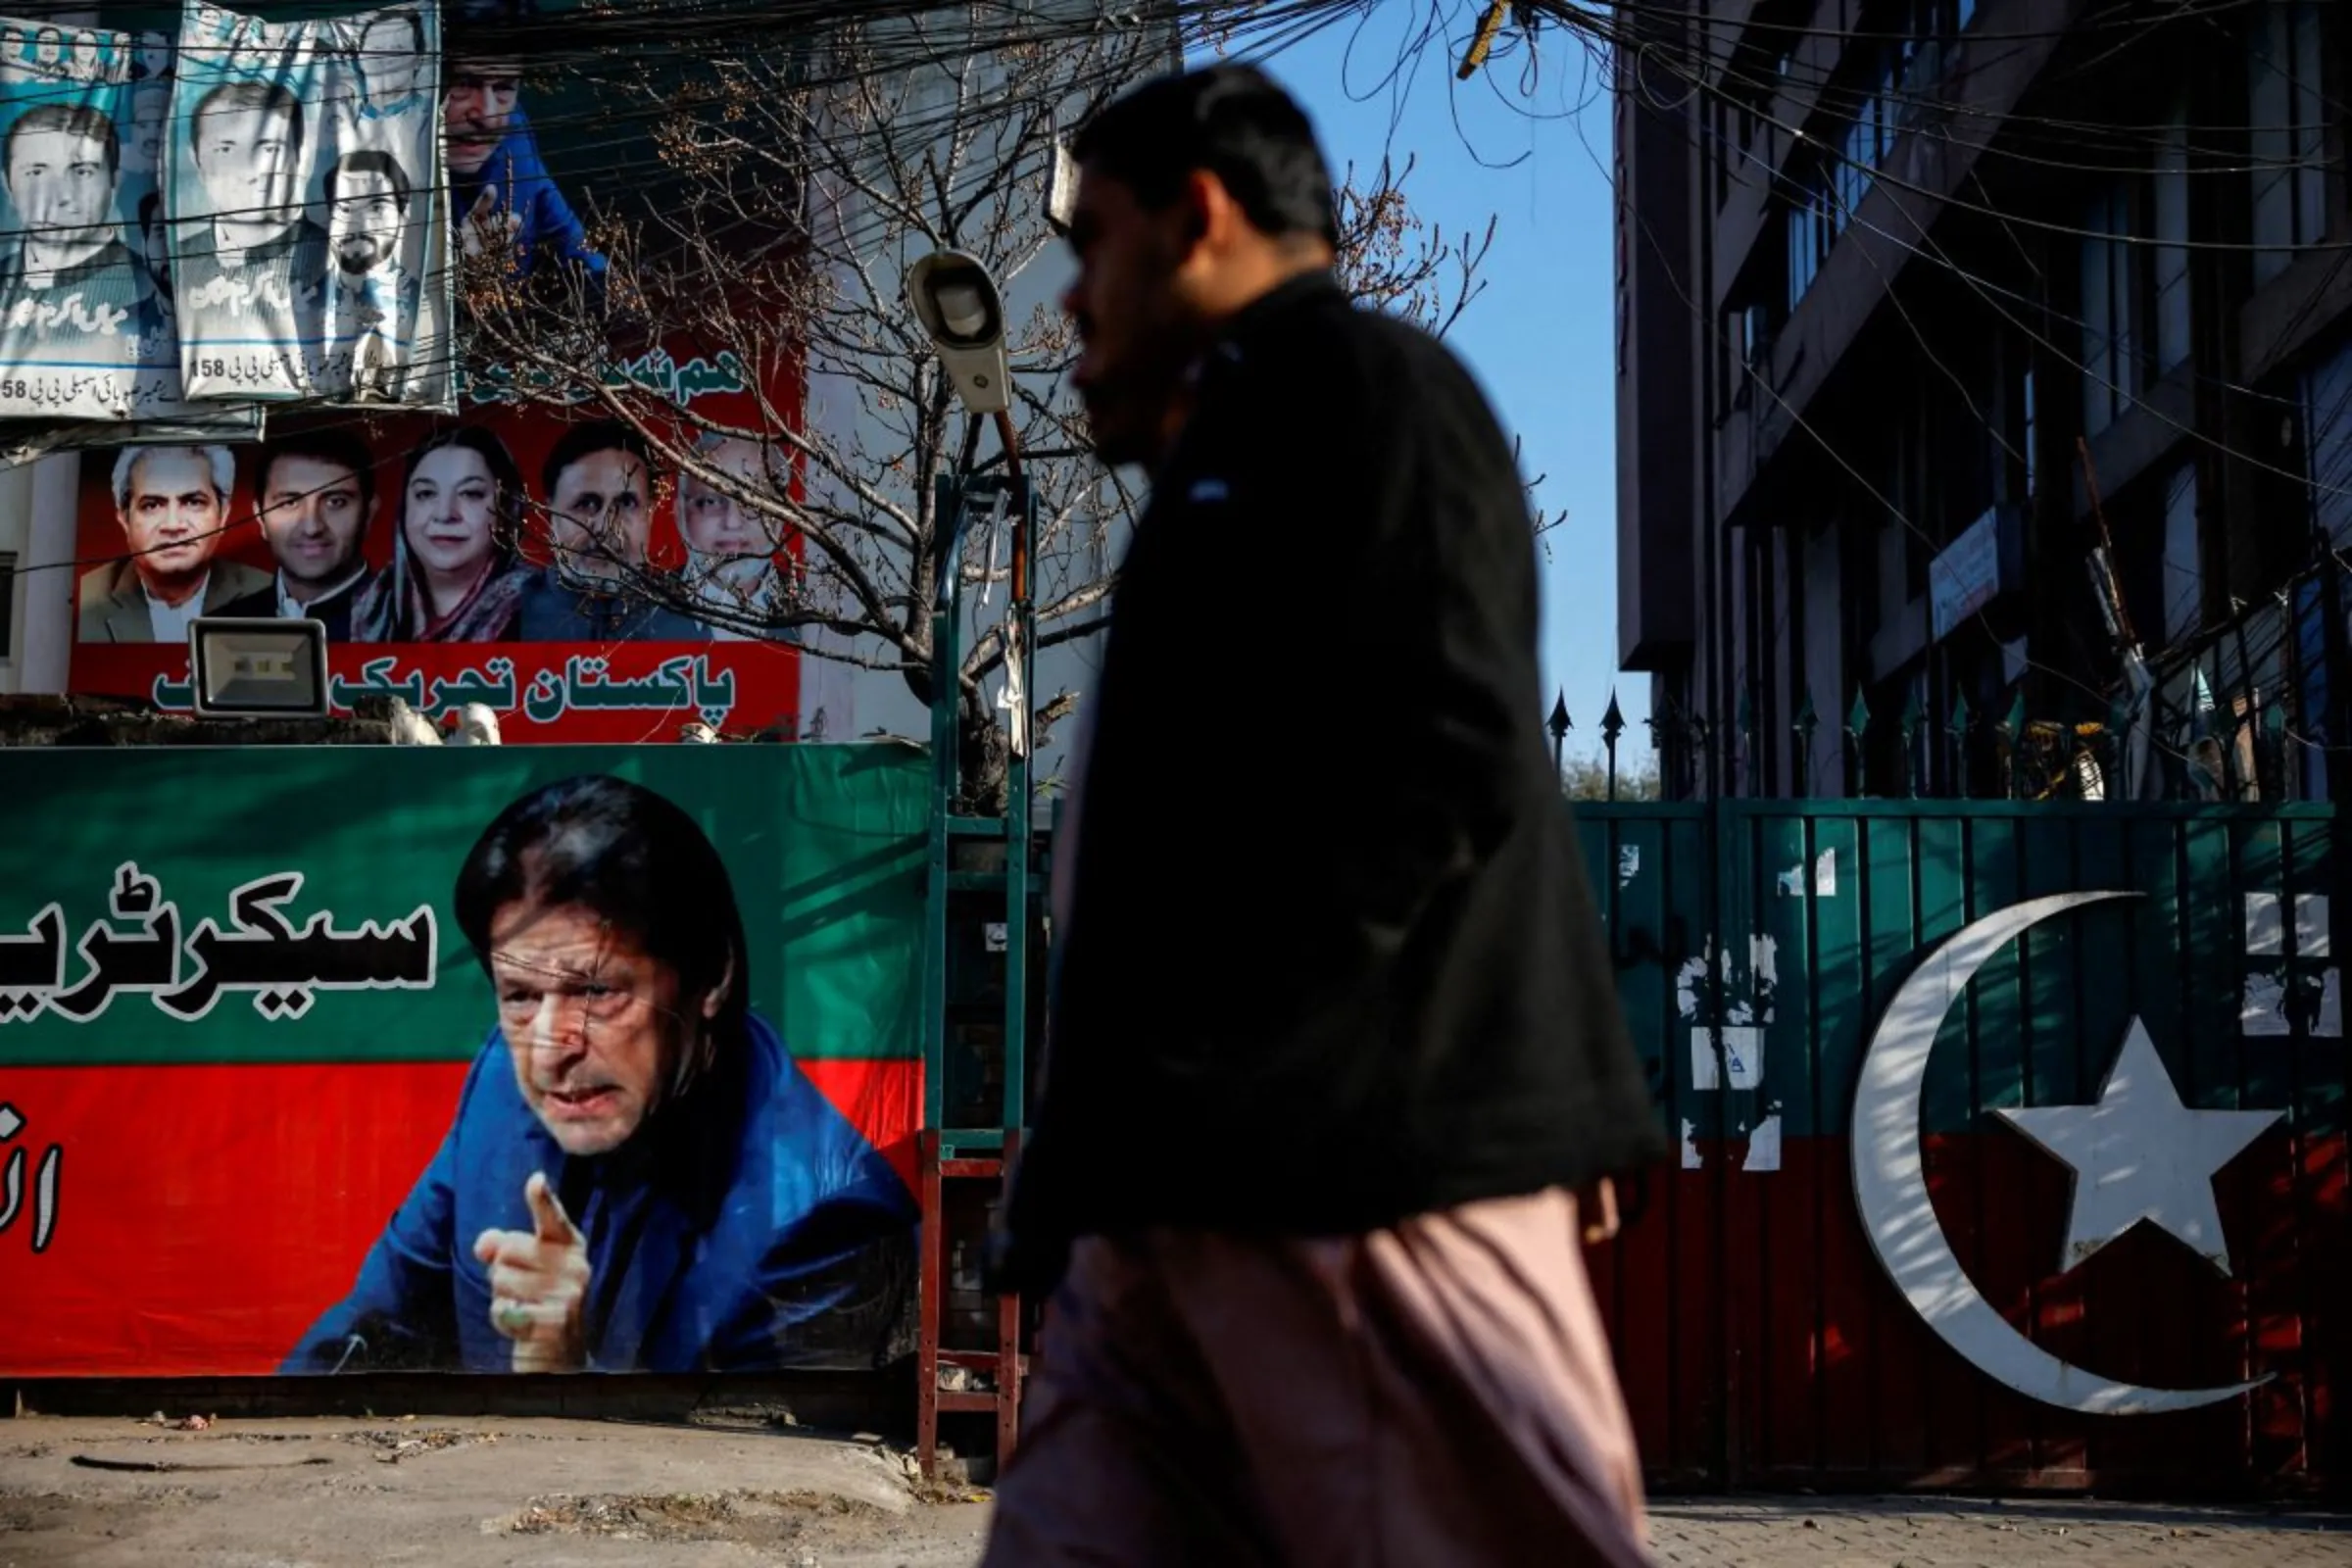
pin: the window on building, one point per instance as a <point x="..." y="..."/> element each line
<point x="2171" y="260"/>
<point x="2182" y="584"/>
<point x="1892" y="84"/>
<point x="2328" y="426"/>
<point x="2029" y="433"/>
<point x="2008" y="419"/>
<point x="2116" y="303"/>
<point x="1809" y="238"/>
<point x="2288" y="146"/>
<point x="1857" y="157"/>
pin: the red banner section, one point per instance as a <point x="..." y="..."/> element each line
<point x="571" y="692"/>
<point x="586" y="578"/>
<point x="194" y="1221"/>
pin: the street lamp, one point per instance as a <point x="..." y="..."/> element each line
<point x="958" y="305"/>
<point x="963" y="314"/>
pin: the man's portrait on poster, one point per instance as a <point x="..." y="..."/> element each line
<point x="638" y="1176"/>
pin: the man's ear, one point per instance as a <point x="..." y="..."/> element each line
<point x="717" y="997"/>
<point x="1203" y="222"/>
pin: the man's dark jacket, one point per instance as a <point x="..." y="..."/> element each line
<point x="1332" y="956"/>
<point x="332" y="611"/>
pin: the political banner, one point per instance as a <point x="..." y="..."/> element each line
<point x="304" y="196"/>
<point x="87" y="328"/>
<point x="549" y="566"/>
<point x="346" y="1060"/>
<point x="385" y="330"/>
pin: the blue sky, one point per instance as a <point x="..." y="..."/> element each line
<point x="1531" y="149"/>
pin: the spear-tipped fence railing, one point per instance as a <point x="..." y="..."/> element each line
<point x="2242" y="713"/>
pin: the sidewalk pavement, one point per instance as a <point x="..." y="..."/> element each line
<point x="1967" y="1533"/>
<point x="469" y="1494"/>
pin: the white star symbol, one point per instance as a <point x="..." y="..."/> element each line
<point x="2141" y="1154"/>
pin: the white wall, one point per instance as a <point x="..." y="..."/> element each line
<point x="37" y="526"/>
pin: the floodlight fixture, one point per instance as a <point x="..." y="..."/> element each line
<point x="254" y="668"/>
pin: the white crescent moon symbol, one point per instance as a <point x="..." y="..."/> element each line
<point x="1892" y="1189"/>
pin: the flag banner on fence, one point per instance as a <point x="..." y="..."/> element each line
<point x="300" y="1050"/>
<point x="88" y="329"/>
<point x="303" y="197"/>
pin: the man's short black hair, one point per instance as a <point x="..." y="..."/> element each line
<point x="628" y="856"/>
<point x="584" y="440"/>
<point x="370" y="160"/>
<point x="1233" y="122"/>
<point x="340" y="448"/>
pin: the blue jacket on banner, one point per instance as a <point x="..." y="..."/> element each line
<point x="527" y="192"/>
<point x="747" y="1226"/>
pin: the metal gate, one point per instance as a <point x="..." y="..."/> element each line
<point x="1795" y="976"/>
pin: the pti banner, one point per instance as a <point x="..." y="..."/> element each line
<point x="303" y="196"/>
<point x="341" y="1060"/>
<point x="548" y="565"/>
<point x="87" y="327"/>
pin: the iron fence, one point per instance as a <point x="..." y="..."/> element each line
<point x="2243" y="712"/>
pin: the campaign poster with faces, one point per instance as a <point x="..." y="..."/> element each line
<point x="303" y="196"/>
<point x="82" y="315"/>
<point x="262" y="1092"/>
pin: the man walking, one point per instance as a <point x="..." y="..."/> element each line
<point x="1332" y="1049"/>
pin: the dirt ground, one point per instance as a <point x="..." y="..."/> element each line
<point x="339" y="1494"/>
<point x="327" y="1493"/>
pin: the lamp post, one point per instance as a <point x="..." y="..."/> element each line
<point x="962" y="313"/>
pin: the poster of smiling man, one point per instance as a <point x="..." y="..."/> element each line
<point x="302" y="201"/>
<point x="79" y="308"/>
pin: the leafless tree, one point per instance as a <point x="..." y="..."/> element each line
<point x="879" y="161"/>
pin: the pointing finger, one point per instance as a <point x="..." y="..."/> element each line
<point x="547" y="1211"/>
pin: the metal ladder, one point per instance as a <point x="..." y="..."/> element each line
<point x="948" y="1156"/>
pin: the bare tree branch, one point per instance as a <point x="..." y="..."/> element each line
<point x="952" y="145"/>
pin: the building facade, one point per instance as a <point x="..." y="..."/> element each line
<point x="1985" y="394"/>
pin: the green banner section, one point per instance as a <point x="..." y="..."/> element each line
<point x="1759" y="944"/>
<point x="294" y="905"/>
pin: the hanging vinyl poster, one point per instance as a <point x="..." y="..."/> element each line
<point x="249" y="260"/>
<point x="381" y="193"/>
<point x="80" y="309"/>
<point x="303" y="203"/>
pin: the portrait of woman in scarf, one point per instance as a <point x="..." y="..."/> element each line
<point x="455" y="576"/>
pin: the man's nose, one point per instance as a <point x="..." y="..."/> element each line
<point x="556" y="1029"/>
<point x="1070" y="300"/>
